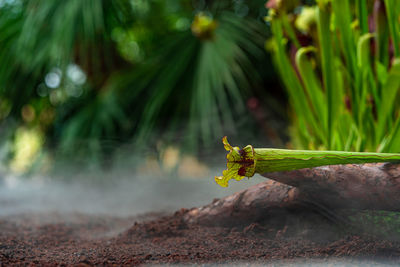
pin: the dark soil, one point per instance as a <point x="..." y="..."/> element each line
<point x="53" y="239"/>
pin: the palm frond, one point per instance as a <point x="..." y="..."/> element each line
<point x="180" y="83"/>
<point x="206" y="80"/>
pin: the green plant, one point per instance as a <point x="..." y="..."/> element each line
<point x="342" y="75"/>
<point x="248" y="161"/>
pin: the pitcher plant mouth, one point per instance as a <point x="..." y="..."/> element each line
<point x="240" y="163"/>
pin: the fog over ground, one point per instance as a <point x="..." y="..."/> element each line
<point x="118" y="193"/>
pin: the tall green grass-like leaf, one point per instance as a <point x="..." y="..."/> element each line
<point x="389" y="92"/>
<point x="341" y="9"/>
<point x="296" y="91"/>
<point x="381" y="33"/>
<point x="362" y="14"/>
<point x="327" y="62"/>
<point x="312" y="85"/>
<point x="392" y="11"/>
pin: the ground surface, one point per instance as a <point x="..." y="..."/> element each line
<point x="77" y="239"/>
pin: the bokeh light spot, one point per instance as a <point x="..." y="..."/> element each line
<point x="75" y="74"/>
<point x="53" y="78"/>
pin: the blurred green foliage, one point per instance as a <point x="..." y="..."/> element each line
<point x="340" y="63"/>
<point x="86" y="75"/>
